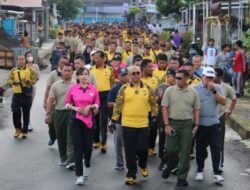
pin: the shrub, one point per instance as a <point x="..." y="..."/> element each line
<point x="53" y="33"/>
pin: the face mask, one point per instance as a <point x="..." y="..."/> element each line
<point x="30" y="59"/>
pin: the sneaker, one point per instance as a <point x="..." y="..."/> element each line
<point x="199" y="176"/>
<point x="144" y="172"/>
<point x="30" y="130"/>
<point x="23" y="135"/>
<point x="51" y="142"/>
<point x="80" y="180"/>
<point x="86" y="172"/>
<point x="130" y="181"/>
<point x="119" y="167"/>
<point x="161" y="166"/>
<point x="182" y="183"/>
<point x="174" y="171"/>
<point x="70" y="166"/>
<point x="191" y="157"/>
<point x="152" y="152"/>
<point x="103" y="148"/>
<point x="96" y="145"/>
<point x="218" y="179"/>
<point x="62" y="163"/>
<point x="17" y="133"/>
<point x="165" y="174"/>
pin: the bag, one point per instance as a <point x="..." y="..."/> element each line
<point x="26" y="90"/>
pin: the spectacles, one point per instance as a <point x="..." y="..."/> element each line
<point x="178" y="78"/>
<point x="136" y="73"/>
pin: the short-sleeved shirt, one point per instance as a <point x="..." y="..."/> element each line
<point x="54" y="76"/>
<point x="229" y="93"/>
<point x="163" y="87"/>
<point x="113" y="94"/>
<point x="181" y="102"/>
<point x="209" y="106"/>
<point x="59" y="90"/>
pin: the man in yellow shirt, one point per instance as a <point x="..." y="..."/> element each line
<point x="127" y="51"/>
<point x="160" y="72"/>
<point x="21" y="78"/>
<point x="152" y="82"/>
<point x="135" y="122"/>
<point x="147" y="54"/>
<point x="193" y="79"/>
<point x="105" y="79"/>
<point x="112" y="50"/>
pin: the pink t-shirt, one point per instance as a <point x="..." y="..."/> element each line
<point x="82" y="98"/>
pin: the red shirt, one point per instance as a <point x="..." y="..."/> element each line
<point x="238" y="64"/>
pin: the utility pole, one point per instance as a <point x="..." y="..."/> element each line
<point x="47" y="20"/>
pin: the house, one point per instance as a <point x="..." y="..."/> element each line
<point x="20" y="15"/>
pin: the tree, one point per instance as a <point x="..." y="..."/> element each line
<point x="68" y="9"/>
<point x="166" y="7"/>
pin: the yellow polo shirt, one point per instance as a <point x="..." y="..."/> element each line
<point x="159" y="73"/>
<point x="110" y="56"/>
<point x="132" y="104"/>
<point x="125" y="55"/>
<point x="152" y="82"/>
<point x="104" y="77"/>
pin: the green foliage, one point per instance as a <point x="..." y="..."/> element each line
<point x="68" y="9"/>
<point x="247" y="40"/>
<point x="166" y="35"/>
<point x="187" y="38"/>
<point x="166" y="7"/>
<point x="53" y="33"/>
<point x="134" y="10"/>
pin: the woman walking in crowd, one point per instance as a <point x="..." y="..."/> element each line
<point x="83" y="100"/>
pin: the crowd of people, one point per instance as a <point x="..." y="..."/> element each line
<point x="128" y="80"/>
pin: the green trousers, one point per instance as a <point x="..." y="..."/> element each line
<point x="180" y="145"/>
<point x="52" y="132"/>
<point x="65" y="145"/>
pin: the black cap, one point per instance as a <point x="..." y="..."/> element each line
<point x="171" y="71"/>
<point x="117" y="57"/>
<point x="137" y="58"/>
<point x="123" y="71"/>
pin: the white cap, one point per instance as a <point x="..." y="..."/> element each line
<point x="208" y="72"/>
<point x="92" y="52"/>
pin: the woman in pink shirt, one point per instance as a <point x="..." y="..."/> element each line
<point x="83" y="100"/>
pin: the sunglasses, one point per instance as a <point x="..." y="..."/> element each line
<point x="178" y="78"/>
<point x="136" y="73"/>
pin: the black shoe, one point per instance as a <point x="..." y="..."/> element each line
<point x="30" y="130"/>
<point x="165" y="174"/>
<point x="237" y="95"/>
<point x="182" y="183"/>
<point x="161" y="166"/>
<point x="174" y="171"/>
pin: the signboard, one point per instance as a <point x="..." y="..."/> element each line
<point x="8" y="25"/>
<point x="151" y="8"/>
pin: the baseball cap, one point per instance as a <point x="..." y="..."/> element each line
<point x="117" y="57"/>
<point x="171" y="71"/>
<point x="137" y="58"/>
<point x="92" y="52"/>
<point x="123" y="71"/>
<point x="208" y="72"/>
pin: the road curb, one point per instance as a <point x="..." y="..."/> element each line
<point x="239" y="126"/>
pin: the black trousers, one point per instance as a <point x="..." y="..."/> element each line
<point x="82" y="138"/>
<point x="152" y="133"/>
<point x="102" y="119"/>
<point x="20" y="106"/>
<point x="162" y="136"/>
<point x="136" y="148"/>
<point x="222" y="139"/>
<point x="208" y="136"/>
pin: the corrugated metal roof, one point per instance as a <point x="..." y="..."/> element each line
<point x="22" y="3"/>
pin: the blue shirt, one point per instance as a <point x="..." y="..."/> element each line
<point x="198" y="72"/>
<point x="112" y="95"/>
<point x="209" y="106"/>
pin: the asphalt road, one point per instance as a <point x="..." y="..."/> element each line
<point x="31" y="165"/>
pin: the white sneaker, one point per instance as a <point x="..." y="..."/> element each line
<point x="86" y="172"/>
<point x="199" y="176"/>
<point x="62" y="163"/>
<point x="218" y="178"/>
<point x="80" y="180"/>
<point x="70" y="166"/>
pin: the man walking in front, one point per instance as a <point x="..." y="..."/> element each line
<point x="180" y="104"/>
<point x="211" y="95"/>
<point x="135" y="122"/>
